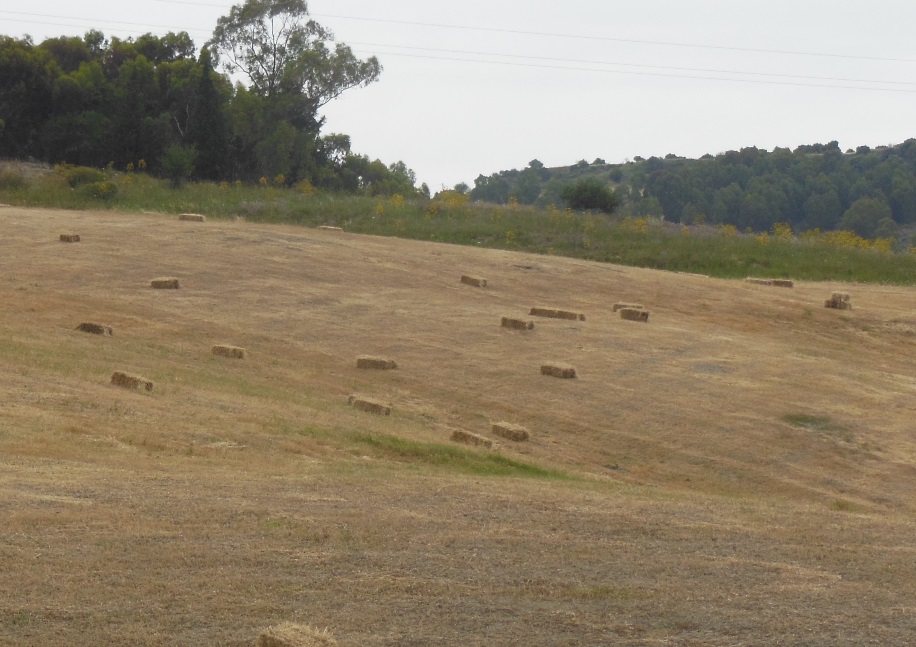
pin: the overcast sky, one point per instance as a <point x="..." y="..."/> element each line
<point x="478" y="86"/>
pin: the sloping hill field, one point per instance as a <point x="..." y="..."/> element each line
<point x="738" y="470"/>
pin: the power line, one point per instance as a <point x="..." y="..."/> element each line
<point x="585" y="37"/>
<point x="542" y="58"/>
<point x="90" y="20"/>
<point x="636" y="65"/>
<point x="654" y="74"/>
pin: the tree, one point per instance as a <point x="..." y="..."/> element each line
<point x="178" y="163"/>
<point x="208" y="129"/>
<point x="590" y="194"/>
<point x="864" y="215"/>
<point x="282" y="51"/>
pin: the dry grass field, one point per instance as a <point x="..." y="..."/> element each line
<point x="740" y="470"/>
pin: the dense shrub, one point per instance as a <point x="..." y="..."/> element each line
<point x="80" y="175"/>
<point x="104" y="190"/>
<point x="590" y="194"/>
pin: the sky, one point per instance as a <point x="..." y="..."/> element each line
<point x="478" y="86"/>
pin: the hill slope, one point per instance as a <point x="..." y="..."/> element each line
<point x="745" y="443"/>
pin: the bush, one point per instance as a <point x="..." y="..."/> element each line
<point x="590" y="194"/>
<point x="10" y="180"/>
<point x="104" y="190"/>
<point x="80" y="175"/>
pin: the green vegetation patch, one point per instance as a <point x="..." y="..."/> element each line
<point x="818" y="423"/>
<point x="456" y="458"/>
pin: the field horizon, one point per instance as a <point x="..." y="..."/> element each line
<point x="739" y="470"/>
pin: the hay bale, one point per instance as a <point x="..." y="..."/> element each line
<point x="555" y="313"/>
<point x="476" y="281"/>
<point x="510" y="432"/>
<point x="839" y="300"/>
<point x="370" y="406"/>
<point x="783" y="283"/>
<point x="634" y="314"/>
<point x="192" y="217"/>
<point x="564" y="371"/>
<point x="759" y="281"/>
<point x="466" y="437"/>
<point x="128" y="381"/>
<point x="95" y="329"/>
<point x="233" y="352"/>
<point x="378" y="363"/>
<point x="165" y="283"/>
<point x="289" y="634"/>
<point x="517" y="324"/>
<point x="329" y="228"/>
<point x="620" y="304"/>
<point x="69" y="238"/>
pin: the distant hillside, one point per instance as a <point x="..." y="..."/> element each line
<point x="869" y="191"/>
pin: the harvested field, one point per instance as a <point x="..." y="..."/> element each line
<point x="739" y="473"/>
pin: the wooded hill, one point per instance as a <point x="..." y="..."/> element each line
<point x="869" y="191"/>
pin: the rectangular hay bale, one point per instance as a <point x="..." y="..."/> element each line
<point x="564" y="371"/>
<point x="192" y="217"/>
<point x="476" y="281"/>
<point x="517" y="324"/>
<point x="165" y="283"/>
<point x="69" y="238"/>
<point x="370" y="406"/>
<point x="634" y="314"/>
<point x="288" y="634"/>
<point x="555" y="313"/>
<point x="510" y="432"/>
<point x="128" y="381"/>
<point x="466" y="437"/>
<point x="783" y="283"/>
<point x="95" y="329"/>
<point x="378" y="363"/>
<point x="329" y="228"/>
<point x="622" y="304"/>
<point x="759" y="281"/>
<point x="233" y="352"/>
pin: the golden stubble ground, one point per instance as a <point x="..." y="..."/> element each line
<point x="740" y="471"/>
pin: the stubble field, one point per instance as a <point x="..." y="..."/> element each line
<point x="740" y="470"/>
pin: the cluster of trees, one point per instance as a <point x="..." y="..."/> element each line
<point x="869" y="191"/>
<point x="92" y="101"/>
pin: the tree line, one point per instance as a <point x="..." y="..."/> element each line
<point x="94" y="101"/>
<point x="869" y="191"/>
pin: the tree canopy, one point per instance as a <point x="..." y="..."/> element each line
<point x="92" y="101"/>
